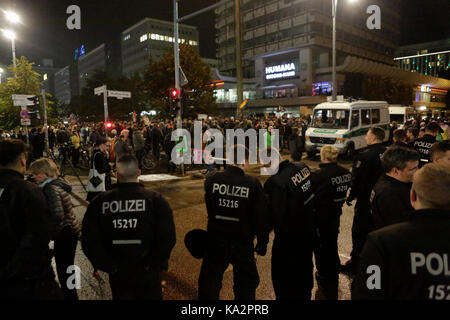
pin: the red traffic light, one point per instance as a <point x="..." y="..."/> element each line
<point x="174" y="93"/>
<point x="109" y="125"/>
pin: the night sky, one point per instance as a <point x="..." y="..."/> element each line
<point x="44" y="33"/>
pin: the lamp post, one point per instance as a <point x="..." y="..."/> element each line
<point x="334" y="13"/>
<point x="11" y="36"/>
<point x="13" y="18"/>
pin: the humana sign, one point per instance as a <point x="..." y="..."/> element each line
<point x="280" y="71"/>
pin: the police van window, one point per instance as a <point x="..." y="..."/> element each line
<point x="365" y="117"/>
<point x="355" y="118"/>
<point x="331" y="119"/>
<point x="375" y="116"/>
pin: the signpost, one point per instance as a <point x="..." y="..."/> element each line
<point x="119" y="94"/>
<point x="24" y="100"/>
<point x="110" y="93"/>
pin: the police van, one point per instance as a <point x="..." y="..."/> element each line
<point x="344" y="125"/>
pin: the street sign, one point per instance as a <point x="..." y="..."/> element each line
<point x="99" y="90"/>
<point x="22" y="100"/>
<point x="25" y="122"/>
<point x="183" y="80"/>
<point x="24" y="114"/>
<point x="119" y="94"/>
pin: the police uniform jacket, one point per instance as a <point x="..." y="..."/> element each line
<point x="330" y="183"/>
<point x="24" y="230"/>
<point x="128" y="227"/>
<point x="411" y="258"/>
<point x="290" y="197"/>
<point x="366" y="170"/>
<point x="423" y="146"/>
<point x="236" y="206"/>
<point x="390" y="202"/>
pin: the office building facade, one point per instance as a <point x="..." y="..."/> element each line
<point x="285" y="43"/>
<point x="151" y="38"/>
<point x="63" y="86"/>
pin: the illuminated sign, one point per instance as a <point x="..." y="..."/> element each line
<point x="425" y="89"/>
<point x="280" y="71"/>
<point x="79" y="52"/>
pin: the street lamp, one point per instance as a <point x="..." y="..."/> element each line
<point x="11" y="36"/>
<point x="12" y="16"/>
<point x="334" y="13"/>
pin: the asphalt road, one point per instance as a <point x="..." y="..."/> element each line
<point x="186" y="198"/>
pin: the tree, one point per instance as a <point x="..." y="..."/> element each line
<point x="27" y="81"/>
<point x="159" y="78"/>
<point x="90" y="105"/>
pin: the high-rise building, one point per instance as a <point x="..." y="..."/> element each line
<point x="151" y="38"/>
<point x="62" y="85"/>
<point x="430" y="58"/>
<point x="285" y="42"/>
<point x="89" y="63"/>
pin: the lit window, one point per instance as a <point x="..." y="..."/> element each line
<point x="157" y="36"/>
<point x="190" y="42"/>
<point x="166" y="38"/>
<point x="183" y="40"/>
<point x="45" y="76"/>
<point x="126" y="37"/>
<point x="153" y="36"/>
<point x="144" y="38"/>
<point x="170" y="39"/>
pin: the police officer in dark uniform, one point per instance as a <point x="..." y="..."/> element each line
<point x="365" y="173"/>
<point x="423" y="145"/>
<point x="237" y="211"/>
<point x="409" y="260"/>
<point x="390" y="197"/>
<point x="25" y="231"/>
<point x="330" y="183"/>
<point x="290" y="196"/>
<point x="129" y="232"/>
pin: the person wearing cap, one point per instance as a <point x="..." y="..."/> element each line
<point x="290" y="196"/>
<point x="409" y="260"/>
<point x="129" y="233"/>
<point x="237" y="212"/>
<point x="100" y="160"/>
<point x="331" y="183"/>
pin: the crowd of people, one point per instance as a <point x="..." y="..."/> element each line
<point x="402" y="192"/>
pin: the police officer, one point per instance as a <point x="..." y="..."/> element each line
<point x="440" y="153"/>
<point x="409" y="260"/>
<point x="330" y="183"/>
<point x="25" y="231"/>
<point x="237" y="211"/>
<point x="390" y="197"/>
<point x="290" y="196"/>
<point x="129" y="232"/>
<point x="423" y="145"/>
<point x="365" y="173"/>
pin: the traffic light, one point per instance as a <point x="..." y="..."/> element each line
<point x="175" y="95"/>
<point x="36" y="106"/>
<point x="108" y="125"/>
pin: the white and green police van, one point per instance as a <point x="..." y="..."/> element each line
<point x="344" y="125"/>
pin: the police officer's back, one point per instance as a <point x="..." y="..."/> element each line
<point x="424" y="144"/>
<point x="237" y="212"/>
<point x="129" y="232"/>
<point x="25" y="260"/>
<point x="365" y="173"/>
<point x="409" y="260"/>
<point x="290" y="196"/>
<point x="331" y="183"/>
